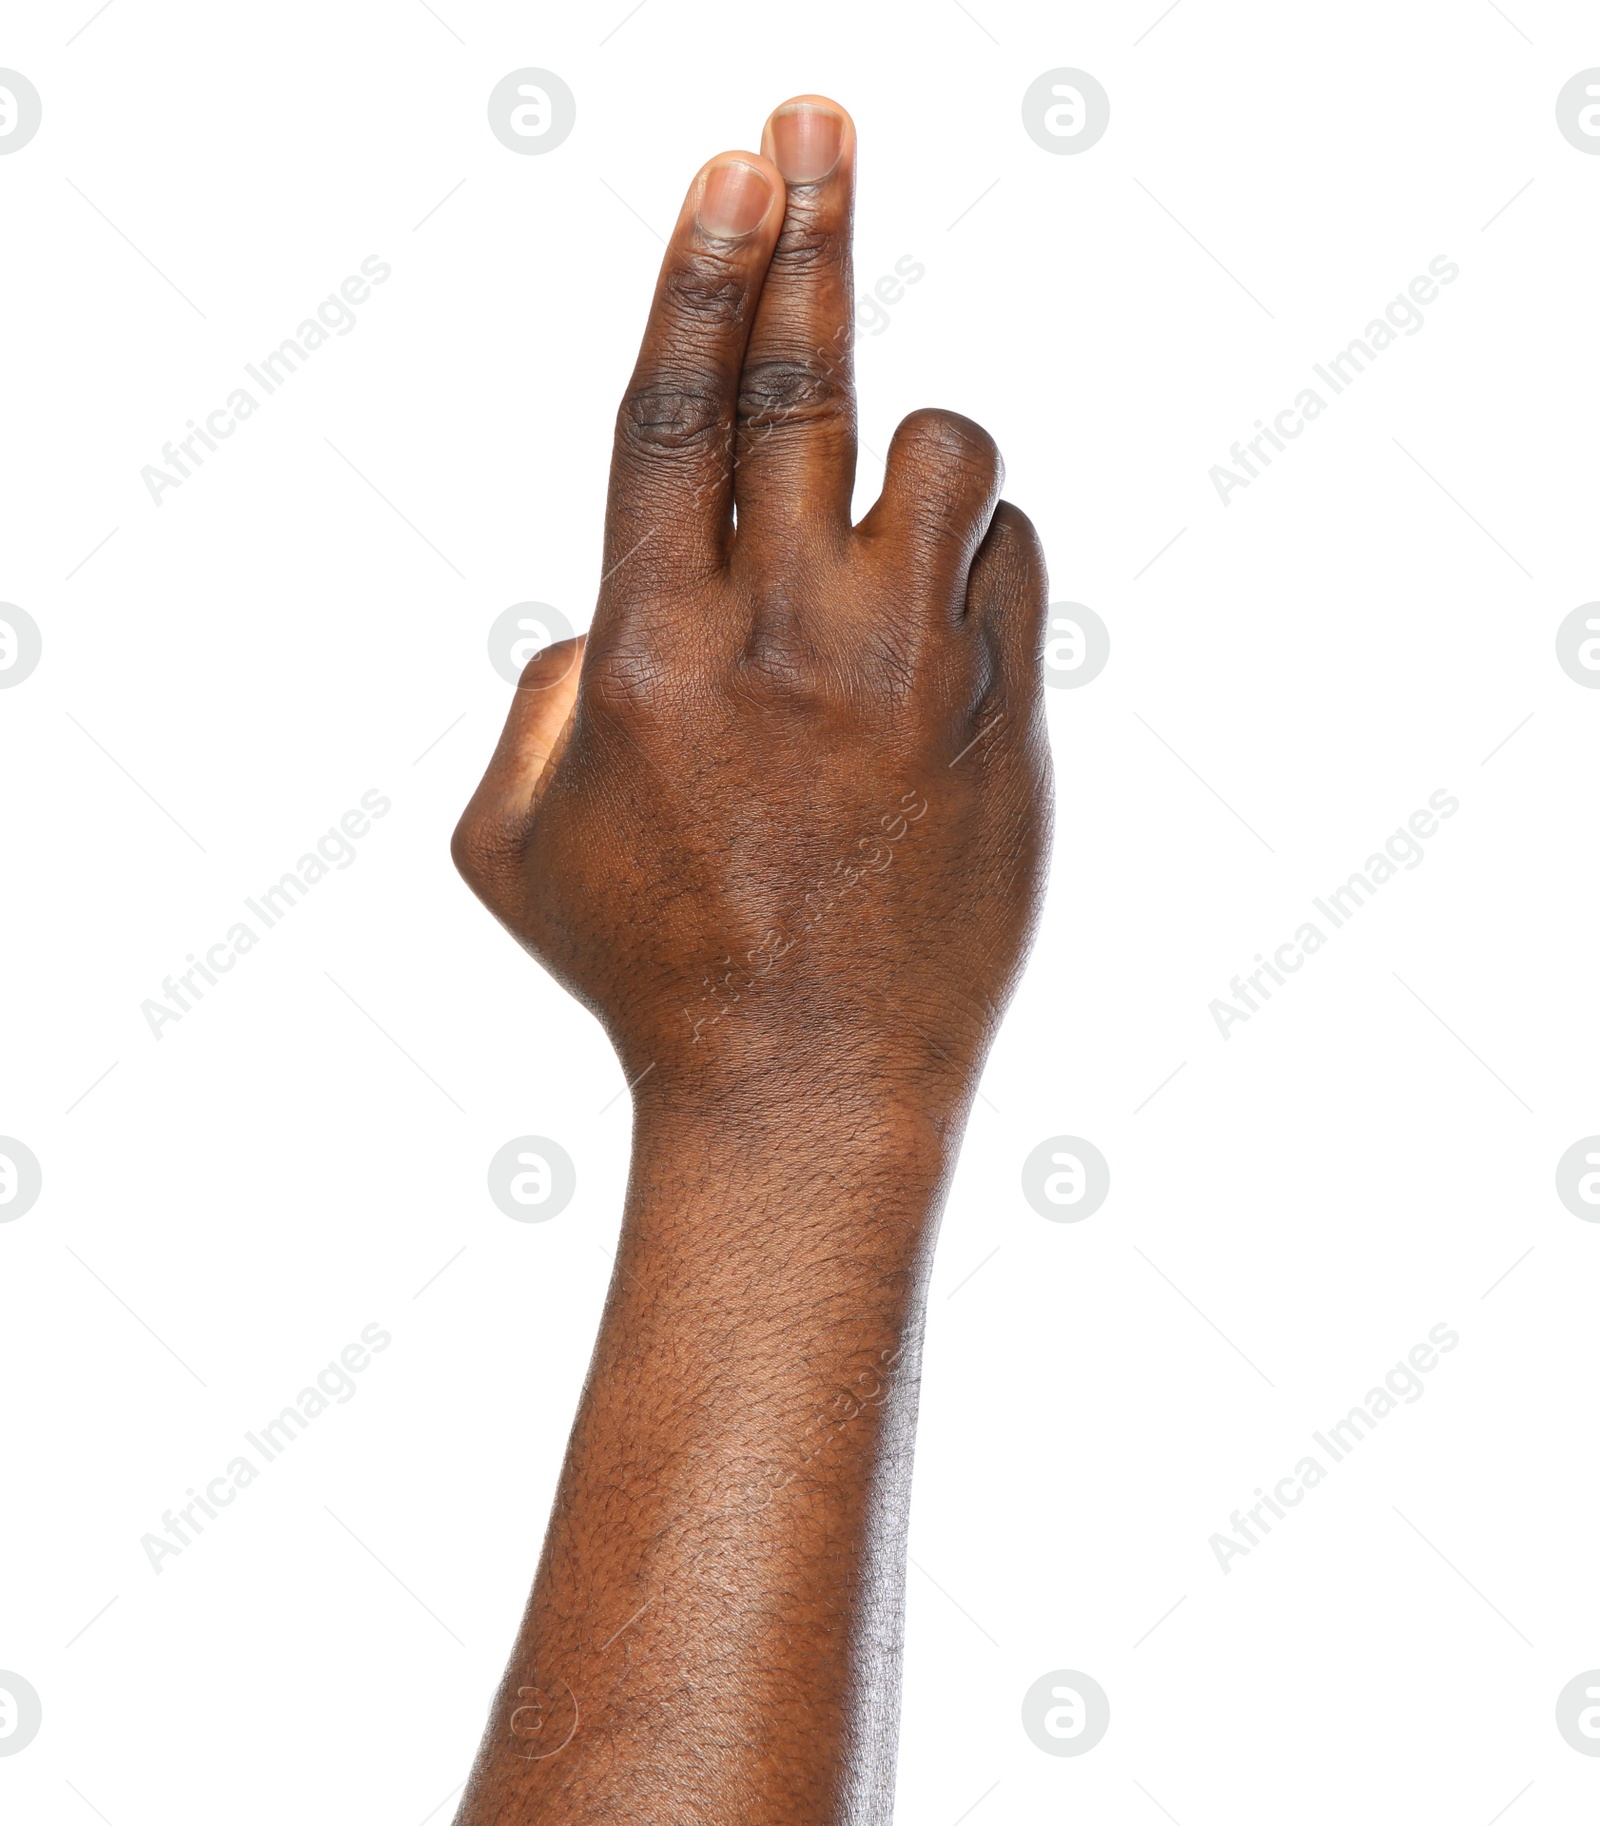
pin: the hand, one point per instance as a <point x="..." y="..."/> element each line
<point x="786" y="825"/>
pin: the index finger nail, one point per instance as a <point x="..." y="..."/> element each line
<point x="734" y="201"/>
<point x="807" y="141"/>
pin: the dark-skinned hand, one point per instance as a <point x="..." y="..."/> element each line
<point x="789" y="813"/>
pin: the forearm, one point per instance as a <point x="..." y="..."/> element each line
<point x="714" y="1633"/>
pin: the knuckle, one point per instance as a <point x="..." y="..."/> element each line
<point x="630" y="681"/>
<point x="1010" y="522"/>
<point x="672" y="417"/>
<point x="1010" y="565"/>
<point x="785" y="388"/>
<point x="952" y="441"/>
<point x="779" y="663"/>
<point x="705" y="292"/>
<point x="804" y="247"/>
<point x="1012" y="529"/>
<point x="907" y="685"/>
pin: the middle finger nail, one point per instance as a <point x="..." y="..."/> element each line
<point x="807" y="141"/>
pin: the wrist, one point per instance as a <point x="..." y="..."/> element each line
<point x="817" y="1191"/>
<point x="777" y="1087"/>
<point x="847" y="1137"/>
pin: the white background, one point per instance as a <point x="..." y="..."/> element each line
<point x="1343" y="639"/>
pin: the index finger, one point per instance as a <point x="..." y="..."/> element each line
<point x="672" y="463"/>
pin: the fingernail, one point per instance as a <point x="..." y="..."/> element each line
<point x="735" y="199"/>
<point x="807" y="141"/>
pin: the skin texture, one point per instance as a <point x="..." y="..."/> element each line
<point x="781" y="823"/>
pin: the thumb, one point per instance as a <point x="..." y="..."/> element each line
<point x="492" y="829"/>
